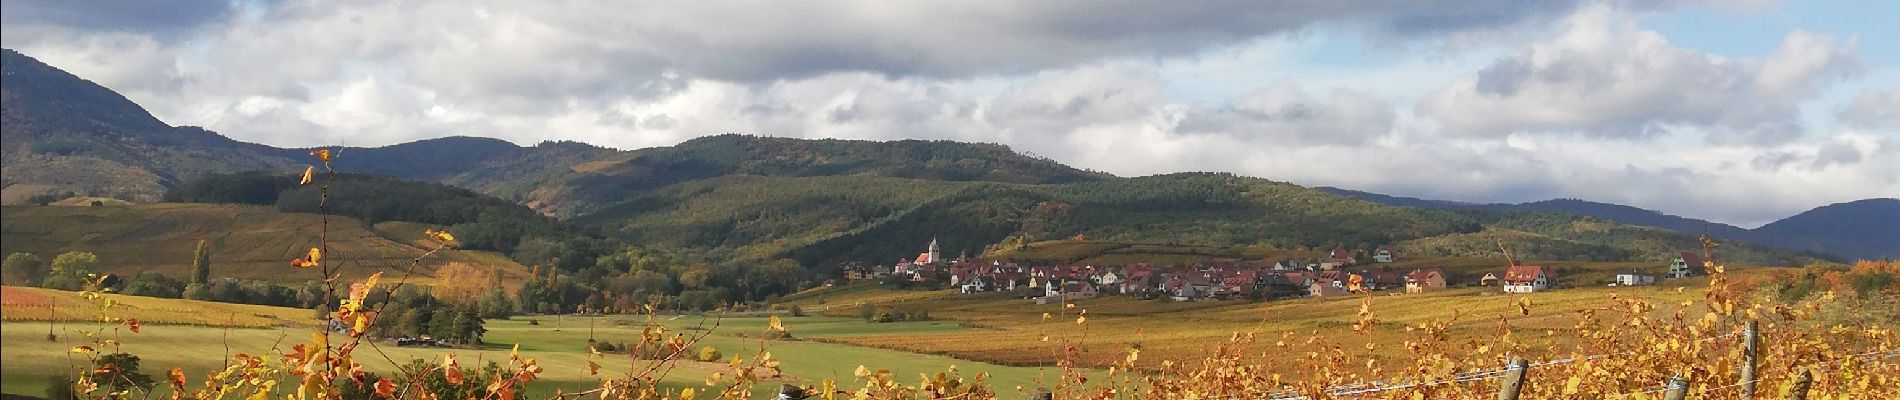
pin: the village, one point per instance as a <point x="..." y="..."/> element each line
<point x="1339" y="272"/>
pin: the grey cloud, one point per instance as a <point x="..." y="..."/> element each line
<point x="162" y="18"/>
<point x="1284" y="113"/>
<point x="1874" y="109"/>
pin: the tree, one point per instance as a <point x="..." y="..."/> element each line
<point x="462" y="283"/>
<point x="23" y="269"/>
<point x="201" y="263"/>
<point x="70" y="270"/>
<point x="496" y="304"/>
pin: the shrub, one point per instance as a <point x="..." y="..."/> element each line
<point x="60" y="387"/>
<point x="709" y="354"/>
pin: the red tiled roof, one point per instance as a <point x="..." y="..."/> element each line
<point x="1523" y="273"/>
<point x="1691" y="258"/>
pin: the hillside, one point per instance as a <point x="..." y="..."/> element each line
<point x="1865" y="229"/>
<point x="597" y="184"/>
<point x="249" y="242"/>
<point x="1850" y="230"/>
<point x="66" y="134"/>
<point x="822" y="221"/>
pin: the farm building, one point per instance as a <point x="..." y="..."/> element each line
<point x="1686" y="264"/>
<point x="1635" y="278"/>
<point x="1526" y="279"/>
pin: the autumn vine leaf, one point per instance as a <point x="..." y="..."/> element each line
<point x="315" y="258"/>
<point x="309" y="175"/>
<point x="385" y="388"/>
<point x="440" y="235"/>
<point x="323" y="154"/>
<point x="451" y="371"/>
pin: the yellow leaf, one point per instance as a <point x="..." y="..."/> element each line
<point x="309" y="174"/>
<point x="1571" y="386"/>
<point x="775" y="324"/>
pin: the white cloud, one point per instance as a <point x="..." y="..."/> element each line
<point x="1606" y="77"/>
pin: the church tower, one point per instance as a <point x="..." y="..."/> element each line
<point x="933" y="250"/>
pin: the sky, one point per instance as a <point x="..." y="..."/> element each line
<point x="1740" y="112"/>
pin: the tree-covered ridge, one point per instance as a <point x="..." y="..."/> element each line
<point x="484" y="222"/>
<point x="612" y="178"/>
<point x="825" y="220"/>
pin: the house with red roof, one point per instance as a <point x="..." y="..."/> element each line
<point x="1527" y="279"/>
<point x="1337" y="258"/>
<point x="1424" y="280"/>
<point x="1686" y="264"/>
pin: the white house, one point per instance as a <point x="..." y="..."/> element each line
<point x="1635" y="278"/>
<point x="1383" y="254"/>
<point x="1526" y="279"/>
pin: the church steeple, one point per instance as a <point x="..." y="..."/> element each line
<point x="933" y="250"/>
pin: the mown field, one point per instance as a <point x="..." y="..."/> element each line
<point x="558" y="344"/>
<point x="248" y="242"/>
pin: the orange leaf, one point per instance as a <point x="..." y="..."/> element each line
<point x="322" y="154"/>
<point x="451" y="371"/>
<point x="309" y="174"/>
<point x="385" y="388"/>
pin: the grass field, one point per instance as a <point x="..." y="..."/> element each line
<point x="249" y="242"/>
<point x="558" y="344"/>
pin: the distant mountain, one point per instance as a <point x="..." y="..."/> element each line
<point x="593" y="185"/>
<point x="1864" y="229"/>
<point x="1628" y="215"/>
<point x="62" y="134"/>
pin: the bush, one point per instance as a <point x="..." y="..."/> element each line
<point x="709" y="354"/>
<point x="60" y="387"/>
<point x="155" y="285"/>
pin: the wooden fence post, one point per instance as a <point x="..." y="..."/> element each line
<point x="1802" y="380"/>
<point x="1677" y="389"/>
<point x="1751" y="340"/>
<point x="1513" y="379"/>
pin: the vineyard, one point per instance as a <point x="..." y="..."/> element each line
<point x="25" y="304"/>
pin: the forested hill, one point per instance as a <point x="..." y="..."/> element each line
<point x="1860" y="229"/>
<point x="593" y="185"/>
<point x="62" y="134"/>
<point x="821" y="221"/>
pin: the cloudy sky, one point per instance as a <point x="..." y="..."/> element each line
<point x="1736" y="111"/>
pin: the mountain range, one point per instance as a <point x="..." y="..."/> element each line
<point x="828" y="201"/>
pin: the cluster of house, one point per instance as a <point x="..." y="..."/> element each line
<point x="1331" y="275"/>
<point x="1338" y="273"/>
